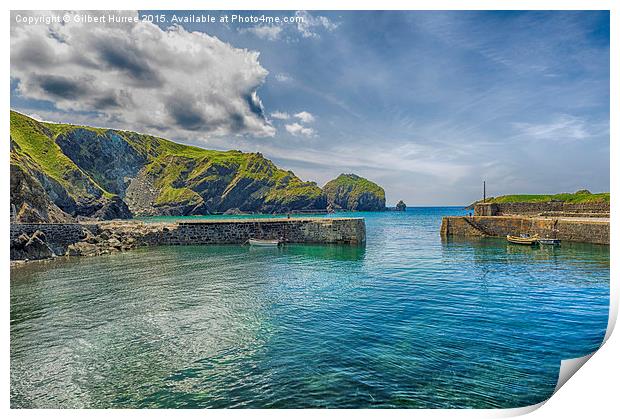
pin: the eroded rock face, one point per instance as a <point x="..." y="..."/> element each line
<point x="30" y="202"/>
<point x="34" y="247"/>
<point x="107" y="157"/>
<point x="400" y="206"/>
<point x="60" y="172"/>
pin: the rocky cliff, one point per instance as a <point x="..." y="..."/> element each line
<point x="60" y="172"/>
<point x="352" y="192"/>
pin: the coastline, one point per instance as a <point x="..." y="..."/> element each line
<point x="45" y="241"/>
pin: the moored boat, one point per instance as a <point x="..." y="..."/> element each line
<point x="553" y="242"/>
<point x="525" y="239"/>
<point x="265" y="243"/>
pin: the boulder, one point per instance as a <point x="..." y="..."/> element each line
<point x="234" y="211"/>
<point x="114" y="242"/>
<point x="82" y="249"/>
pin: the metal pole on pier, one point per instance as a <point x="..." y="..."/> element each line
<point x="484" y="191"/>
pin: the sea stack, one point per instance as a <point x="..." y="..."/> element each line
<point x="354" y="193"/>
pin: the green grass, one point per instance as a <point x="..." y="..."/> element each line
<point x="178" y="196"/>
<point x="356" y="184"/>
<point x="575" y="198"/>
<point x="34" y="141"/>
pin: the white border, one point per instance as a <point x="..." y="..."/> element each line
<point x="593" y="392"/>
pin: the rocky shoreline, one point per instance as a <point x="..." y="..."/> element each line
<point x="107" y="238"/>
<point x="46" y="241"/>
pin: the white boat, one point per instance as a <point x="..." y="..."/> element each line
<point x="265" y="243"/>
<point x="545" y="240"/>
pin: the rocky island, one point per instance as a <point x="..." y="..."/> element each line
<point x="63" y="173"/>
<point x="352" y="192"/>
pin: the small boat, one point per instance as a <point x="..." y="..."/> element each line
<point x="264" y="243"/>
<point x="523" y="239"/>
<point x="553" y="242"/>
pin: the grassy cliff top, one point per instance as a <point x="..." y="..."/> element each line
<point x="578" y="197"/>
<point x="354" y="183"/>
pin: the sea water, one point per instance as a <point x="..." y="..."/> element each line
<point x="409" y="320"/>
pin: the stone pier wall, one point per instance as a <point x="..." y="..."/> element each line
<point x="294" y="230"/>
<point x="104" y="237"/>
<point x="536" y="208"/>
<point x="576" y="230"/>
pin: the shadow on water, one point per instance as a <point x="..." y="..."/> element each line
<point x="487" y="247"/>
<point x="335" y="252"/>
<point x="330" y="252"/>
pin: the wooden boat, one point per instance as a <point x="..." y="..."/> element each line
<point x="553" y="242"/>
<point x="264" y="243"/>
<point x="523" y="239"/>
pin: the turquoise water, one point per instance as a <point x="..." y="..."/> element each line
<point x="408" y="320"/>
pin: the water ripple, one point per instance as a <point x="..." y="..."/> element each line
<point x="407" y="321"/>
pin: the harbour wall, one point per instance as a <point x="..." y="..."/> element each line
<point x="294" y="230"/>
<point x="107" y="236"/>
<point x="567" y="229"/>
<point x="558" y="208"/>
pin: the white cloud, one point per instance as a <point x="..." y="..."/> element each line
<point x="308" y="25"/>
<point x="283" y="78"/>
<point x="270" y="33"/>
<point x="561" y="128"/>
<point x="298" y="129"/>
<point x="138" y="76"/>
<point x="280" y="115"/>
<point x="305" y="117"/>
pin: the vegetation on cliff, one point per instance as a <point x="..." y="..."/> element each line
<point x="352" y="192"/>
<point x="582" y="196"/>
<point x="46" y="185"/>
<point x="60" y="171"/>
<point x="579" y="197"/>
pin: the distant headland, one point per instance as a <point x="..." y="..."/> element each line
<point x="63" y="173"/>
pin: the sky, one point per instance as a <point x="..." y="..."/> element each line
<point x="427" y="104"/>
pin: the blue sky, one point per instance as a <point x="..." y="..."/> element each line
<point x="427" y="104"/>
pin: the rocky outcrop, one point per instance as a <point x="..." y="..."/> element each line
<point x="29" y="201"/>
<point x="400" y="206"/>
<point x="46" y="186"/>
<point x="352" y="192"/>
<point x="32" y="247"/>
<point x="106" y="241"/>
<point x="105" y="156"/>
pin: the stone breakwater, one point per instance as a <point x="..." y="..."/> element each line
<point x="41" y="241"/>
<point x="552" y="208"/>
<point x="585" y="230"/>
